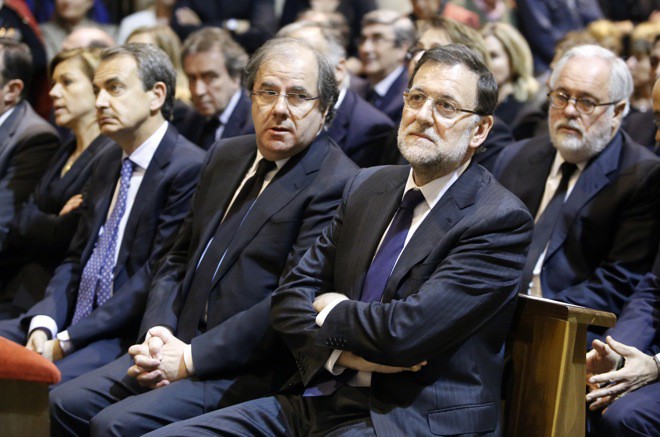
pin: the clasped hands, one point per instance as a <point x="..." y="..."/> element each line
<point x="49" y="349"/>
<point x="605" y="383"/>
<point x="159" y="359"/>
<point x="352" y="361"/>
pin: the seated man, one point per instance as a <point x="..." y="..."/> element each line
<point x="209" y="342"/>
<point x="358" y="128"/>
<point x="213" y="63"/>
<point x="397" y="315"/>
<point x="595" y="193"/>
<point x="27" y="144"/>
<point x="137" y="197"/>
<point x="384" y="42"/>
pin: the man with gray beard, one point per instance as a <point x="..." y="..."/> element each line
<point x="595" y="193"/>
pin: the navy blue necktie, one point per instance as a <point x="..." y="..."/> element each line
<point x="390" y="248"/>
<point x="96" y="280"/>
<point x="546" y="224"/>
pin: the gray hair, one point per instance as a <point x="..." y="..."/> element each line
<point x="621" y="83"/>
<point x="333" y="38"/>
<point x="404" y="28"/>
<point x="326" y="83"/>
<point x="153" y="66"/>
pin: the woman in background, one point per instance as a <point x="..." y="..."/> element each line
<point x="512" y="67"/>
<point x="44" y="227"/>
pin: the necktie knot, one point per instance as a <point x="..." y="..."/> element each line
<point x="567" y="169"/>
<point x="264" y="167"/>
<point x="127" y="168"/>
<point x="411" y="199"/>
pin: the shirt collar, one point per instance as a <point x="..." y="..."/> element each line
<point x="384" y="85"/>
<point x="435" y="189"/>
<point x="342" y="94"/>
<point x="6" y="115"/>
<point x="142" y="155"/>
<point x="224" y="117"/>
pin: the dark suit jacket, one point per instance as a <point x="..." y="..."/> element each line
<point x="157" y="213"/>
<point x="391" y="104"/>
<point x="360" y="130"/>
<point x="260" y="14"/>
<point x="39" y="237"/>
<point x="639" y="322"/>
<point x="239" y="123"/>
<point x="607" y="236"/>
<point x="284" y="221"/>
<point x="449" y="300"/>
<point x="27" y="144"/>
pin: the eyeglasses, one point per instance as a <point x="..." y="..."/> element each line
<point x="415" y="100"/>
<point x="584" y="105"/>
<point x="294" y="100"/>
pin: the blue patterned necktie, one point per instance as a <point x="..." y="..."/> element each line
<point x="390" y="248"/>
<point x="96" y="281"/>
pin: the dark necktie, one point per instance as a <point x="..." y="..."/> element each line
<point x="390" y="248"/>
<point x="225" y="232"/>
<point x="374" y="98"/>
<point x="96" y="279"/>
<point x="207" y="136"/>
<point x="546" y="224"/>
<point x="378" y="274"/>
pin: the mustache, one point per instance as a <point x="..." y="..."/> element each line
<point x="427" y="132"/>
<point x="571" y="124"/>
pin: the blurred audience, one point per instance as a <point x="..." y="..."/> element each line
<point x="159" y="12"/>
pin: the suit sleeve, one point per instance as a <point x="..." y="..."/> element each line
<point x="126" y="306"/>
<point x="222" y="349"/>
<point x="24" y="170"/>
<point x="447" y="308"/>
<point x="632" y="250"/>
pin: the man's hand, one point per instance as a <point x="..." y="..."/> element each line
<point x="147" y="359"/>
<point x="351" y="361"/>
<point x="639" y="370"/>
<point x="325" y="299"/>
<point x="172" y="363"/>
<point x="601" y="359"/>
<point x="53" y="350"/>
<point x="36" y="341"/>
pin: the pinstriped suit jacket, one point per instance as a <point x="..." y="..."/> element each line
<point x="449" y="301"/>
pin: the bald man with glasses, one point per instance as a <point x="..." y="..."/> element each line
<point x="595" y="193"/>
<point x="262" y="200"/>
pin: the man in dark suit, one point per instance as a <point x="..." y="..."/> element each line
<point x="208" y="340"/>
<point x="595" y="193"/>
<point x="358" y="128"/>
<point x="214" y="63"/>
<point x="251" y="22"/>
<point x="623" y="374"/>
<point x="27" y="142"/>
<point x="385" y="39"/>
<point x="136" y="200"/>
<point x="409" y="300"/>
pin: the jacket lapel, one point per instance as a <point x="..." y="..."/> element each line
<point x="596" y="176"/>
<point x="530" y="183"/>
<point x="440" y="220"/>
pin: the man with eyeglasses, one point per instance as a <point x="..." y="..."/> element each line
<point x="594" y="192"/>
<point x="383" y="45"/>
<point x="261" y="201"/>
<point x="397" y="314"/>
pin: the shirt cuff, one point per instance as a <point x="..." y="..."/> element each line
<point x="65" y="342"/>
<point x="43" y="322"/>
<point x="187" y="359"/>
<point x="320" y="317"/>
<point x="330" y="363"/>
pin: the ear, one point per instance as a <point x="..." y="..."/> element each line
<point x="340" y="72"/>
<point x="13" y="90"/>
<point x="619" y="108"/>
<point x="158" y="93"/>
<point x="480" y="131"/>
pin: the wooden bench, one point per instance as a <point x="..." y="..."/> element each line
<point x="547" y="347"/>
